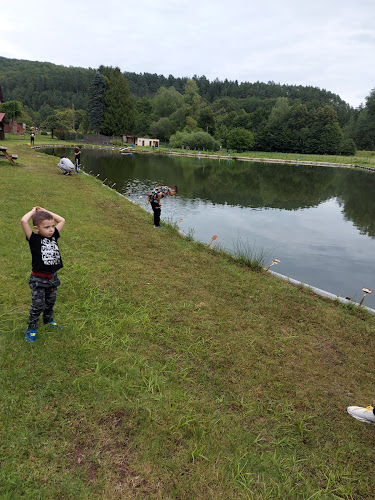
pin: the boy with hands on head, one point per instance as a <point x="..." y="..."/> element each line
<point x="46" y="261"/>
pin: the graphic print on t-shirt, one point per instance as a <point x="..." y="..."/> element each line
<point x="50" y="252"/>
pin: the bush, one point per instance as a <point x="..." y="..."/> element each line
<point x="60" y="134"/>
<point x="240" y="139"/>
<point x="348" y="147"/>
<point x="194" y="140"/>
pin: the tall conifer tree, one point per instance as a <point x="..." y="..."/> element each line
<point x="97" y="107"/>
<point x="120" y="113"/>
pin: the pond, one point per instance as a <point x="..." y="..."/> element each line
<point x="318" y="221"/>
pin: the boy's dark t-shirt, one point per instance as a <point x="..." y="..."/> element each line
<point x="45" y="253"/>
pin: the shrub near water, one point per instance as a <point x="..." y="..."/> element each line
<point x="194" y="140"/>
<point x="178" y="373"/>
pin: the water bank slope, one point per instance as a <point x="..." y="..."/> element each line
<point x="178" y="374"/>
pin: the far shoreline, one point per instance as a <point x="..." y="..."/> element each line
<point x="213" y="156"/>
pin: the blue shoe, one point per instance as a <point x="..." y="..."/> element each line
<point x="30" y="335"/>
<point x="53" y="323"/>
<point x="78" y="172"/>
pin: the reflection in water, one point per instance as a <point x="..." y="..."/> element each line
<point x="319" y="221"/>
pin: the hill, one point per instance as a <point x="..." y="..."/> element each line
<point x="38" y="83"/>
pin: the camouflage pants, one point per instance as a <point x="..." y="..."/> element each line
<point x="43" y="298"/>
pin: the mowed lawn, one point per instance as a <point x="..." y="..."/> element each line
<point x="178" y="373"/>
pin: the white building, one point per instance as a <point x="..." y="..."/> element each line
<point x="141" y="141"/>
<point x="145" y="141"/>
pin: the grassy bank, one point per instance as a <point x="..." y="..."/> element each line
<point x="178" y="373"/>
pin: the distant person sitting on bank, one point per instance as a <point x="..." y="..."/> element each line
<point x="77" y="158"/>
<point x="66" y="166"/>
<point x="154" y="198"/>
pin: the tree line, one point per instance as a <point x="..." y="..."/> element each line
<point x="186" y="112"/>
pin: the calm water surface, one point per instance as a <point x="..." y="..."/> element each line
<point x="318" y="221"/>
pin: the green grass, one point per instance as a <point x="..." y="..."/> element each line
<point x="363" y="158"/>
<point x="15" y="139"/>
<point x="178" y="373"/>
<point x="249" y="255"/>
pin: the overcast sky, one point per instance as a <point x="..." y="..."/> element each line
<point x="328" y="44"/>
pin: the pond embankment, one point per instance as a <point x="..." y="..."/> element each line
<point x="177" y="373"/>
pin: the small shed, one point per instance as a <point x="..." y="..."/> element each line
<point x="141" y="141"/>
<point x="130" y="139"/>
<point x="15" y="128"/>
<point x="145" y="141"/>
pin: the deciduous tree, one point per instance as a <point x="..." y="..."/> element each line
<point x="166" y="102"/>
<point x="162" y="129"/>
<point x="240" y="139"/>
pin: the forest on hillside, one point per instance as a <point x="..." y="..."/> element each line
<point x="184" y="112"/>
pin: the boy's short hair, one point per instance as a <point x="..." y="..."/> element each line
<point x="175" y="188"/>
<point x="40" y="216"/>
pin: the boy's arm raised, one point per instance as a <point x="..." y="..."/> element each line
<point x="25" y="223"/>
<point x="60" y="221"/>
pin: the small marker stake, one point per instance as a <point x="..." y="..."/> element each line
<point x="212" y="239"/>
<point x="275" y="261"/>
<point x="367" y="291"/>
